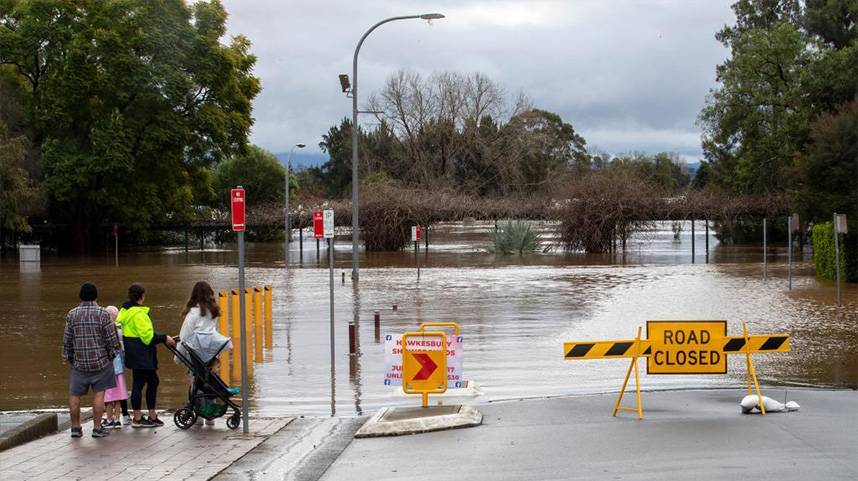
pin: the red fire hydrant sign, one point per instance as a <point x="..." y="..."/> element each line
<point x="318" y="224"/>
<point x="237" y="202"/>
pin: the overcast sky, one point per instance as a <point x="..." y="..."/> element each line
<point x="628" y="75"/>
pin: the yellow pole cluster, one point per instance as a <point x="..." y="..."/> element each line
<point x="258" y="320"/>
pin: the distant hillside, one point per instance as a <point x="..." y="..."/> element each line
<point x="303" y="160"/>
<point x="692" y="168"/>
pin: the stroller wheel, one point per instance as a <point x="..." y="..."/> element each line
<point x="185" y="418"/>
<point x="233" y="421"/>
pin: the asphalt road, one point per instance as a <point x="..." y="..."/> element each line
<point x="698" y="435"/>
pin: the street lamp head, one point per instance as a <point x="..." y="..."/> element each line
<point x="300" y="145"/>
<point x="344" y="83"/>
<point x="431" y="16"/>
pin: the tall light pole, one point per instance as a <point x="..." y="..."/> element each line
<point x="354" y="92"/>
<point x="288" y="225"/>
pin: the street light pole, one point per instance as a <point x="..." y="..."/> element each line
<point x="288" y="220"/>
<point x="354" y="92"/>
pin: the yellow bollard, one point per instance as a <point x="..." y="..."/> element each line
<point x="257" y="322"/>
<point x="236" y="337"/>
<point x="248" y="327"/>
<point x="223" y="327"/>
<point x="269" y="335"/>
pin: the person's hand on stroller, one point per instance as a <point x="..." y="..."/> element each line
<point x="170" y="342"/>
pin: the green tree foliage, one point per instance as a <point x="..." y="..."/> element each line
<point x="129" y="101"/>
<point x="827" y="173"/>
<point x="16" y="190"/>
<point x="259" y="172"/>
<point x="702" y="177"/>
<point x="663" y="169"/>
<point x="790" y="63"/>
<point x="545" y="146"/>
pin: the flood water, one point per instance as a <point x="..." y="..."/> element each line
<point x="514" y="312"/>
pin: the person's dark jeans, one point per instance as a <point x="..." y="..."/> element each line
<point x="148" y="378"/>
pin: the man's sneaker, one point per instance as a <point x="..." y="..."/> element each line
<point x="126" y="420"/>
<point x="116" y="424"/>
<point x="100" y="433"/>
<point x="142" y="423"/>
<point x="156" y="422"/>
<point x="76" y="432"/>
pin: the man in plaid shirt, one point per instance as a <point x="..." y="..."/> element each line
<point x="89" y="346"/>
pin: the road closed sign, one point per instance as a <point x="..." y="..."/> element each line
<point x="686" y="347"/>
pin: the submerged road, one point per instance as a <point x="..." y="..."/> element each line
<point x="699" y="435"/>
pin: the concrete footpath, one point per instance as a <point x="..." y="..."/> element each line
<point x="155" y="453"/>
<point x="698" y="435"/>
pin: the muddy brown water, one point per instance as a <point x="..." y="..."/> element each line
<point x="514" y="311"/>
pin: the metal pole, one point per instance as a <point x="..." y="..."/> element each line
<point x="706" y="221"/>
<point x="765" y="251"/>
<point x="789" y="250"/>
<point x="287" y="225"/>
<point x="331" y="275"/>
<point x="417" y="258"/>
<point x="354" y="92"/>
<point x="243" y="329"/>
<point x="692" y="241"/>
<point x="837" y="258"/>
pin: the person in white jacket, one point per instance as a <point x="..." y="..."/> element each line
<point x="201" y="314"/>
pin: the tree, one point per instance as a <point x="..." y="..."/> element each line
<point x="129" y="103"/>
<point x="259" y="172"/>
<point x="790" y="62"/>
<point x="16" y="189"/>
<point x="753" y="122"/>
<point x="828" y="172"/>
<point x="337" y="171"/>
<point x="662" y="169"/>
<point x="545" y="146"/>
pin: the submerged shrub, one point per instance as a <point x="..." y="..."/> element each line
<point x="516" y="237"/>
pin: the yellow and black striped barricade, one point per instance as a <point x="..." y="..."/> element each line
<point x="681" y="347"/>
<point x="633" y="349"/>
<point x="757" y="343"/>
<point x="607" y="349"/>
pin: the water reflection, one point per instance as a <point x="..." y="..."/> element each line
<point x="514" y="312"/>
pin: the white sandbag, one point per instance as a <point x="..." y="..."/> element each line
<point x="750" y="404"/>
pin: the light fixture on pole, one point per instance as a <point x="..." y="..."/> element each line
<point x="288" y="220"/>
<point x="352" y="89"/>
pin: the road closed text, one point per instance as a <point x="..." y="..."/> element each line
<point x="686" y="347"/>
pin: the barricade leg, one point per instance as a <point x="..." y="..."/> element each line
<point x="752" y="373"/>
<point x="632" y="365"/>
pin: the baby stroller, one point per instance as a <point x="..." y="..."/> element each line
<point x="208" y="397"/>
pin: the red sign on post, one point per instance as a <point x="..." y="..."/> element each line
<point x="237" y="202"/>
<point x="115" y="229"/>
<point x="318" y="224"/>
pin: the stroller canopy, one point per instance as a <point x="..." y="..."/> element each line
<point x="207" y="344"/>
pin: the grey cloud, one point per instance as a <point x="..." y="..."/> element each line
<point x="629" y="75"/>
